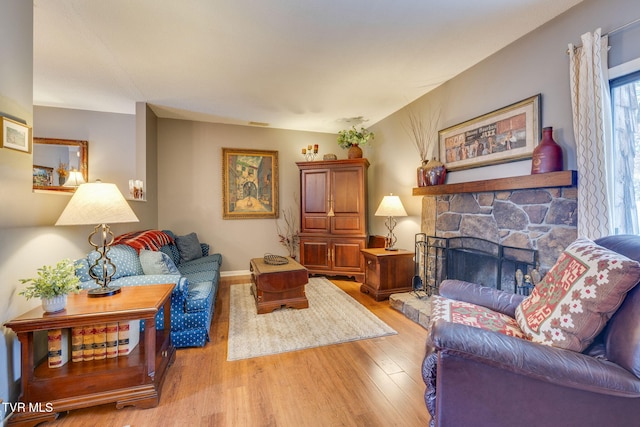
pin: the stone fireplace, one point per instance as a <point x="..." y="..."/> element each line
<point x="536" y="212"/>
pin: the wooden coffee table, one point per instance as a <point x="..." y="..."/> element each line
<point x="276" y="286"/>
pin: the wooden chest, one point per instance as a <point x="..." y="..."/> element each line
<point x="388" y="272"/>
<point x="276" y="286"/>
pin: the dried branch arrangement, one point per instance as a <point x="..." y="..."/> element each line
<point x="288" y="232"/>
<point x="424" y="134"/>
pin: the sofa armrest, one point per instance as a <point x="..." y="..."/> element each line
<point x="496" y="300"/>
<point x="561" y="367"/>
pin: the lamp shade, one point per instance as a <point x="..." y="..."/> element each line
<point x="97" y="203"/>
<point x="75" y="179"/>
<point x="391" y="206"/>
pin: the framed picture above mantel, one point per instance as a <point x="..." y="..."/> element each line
<point x="501" y="136"/>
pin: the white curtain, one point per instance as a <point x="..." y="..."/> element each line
<point x="592" y="129"/>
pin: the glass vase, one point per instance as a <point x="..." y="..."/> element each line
<point x="436" y="172"/>
<point x="422" y="174"/>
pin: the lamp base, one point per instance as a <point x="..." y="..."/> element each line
<point x="103" y="292"/>
<point x="390" y="249"/>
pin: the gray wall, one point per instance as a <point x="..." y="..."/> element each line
<point x="190" y="184"/>
<point x="536" y="63"/>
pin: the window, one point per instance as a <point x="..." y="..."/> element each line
<point x="625" y="101"/>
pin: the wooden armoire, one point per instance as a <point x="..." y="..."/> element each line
<point x="333" y="216"/>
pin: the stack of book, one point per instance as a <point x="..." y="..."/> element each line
<point x="92" y="342"/>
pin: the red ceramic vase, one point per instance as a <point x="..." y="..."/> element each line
<point x="547" y="156"/>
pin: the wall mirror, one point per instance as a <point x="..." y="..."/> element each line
<point x="59" y="164"/>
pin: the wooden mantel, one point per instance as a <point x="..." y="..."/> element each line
<point x="543" y="180"/>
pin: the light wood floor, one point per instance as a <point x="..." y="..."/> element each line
<point x="374" y="382"/>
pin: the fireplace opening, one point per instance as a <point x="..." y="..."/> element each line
<point x="473" y="260"/>
<point x="472" y="266"/>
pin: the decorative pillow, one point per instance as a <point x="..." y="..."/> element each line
<point x="577" y="296"/>
<point x="473" y="315"/>
<point x="154" y="262"/>
<point x="82" y="269"/>
<point x="124" y="257"/>
<point x="188" y="247"/>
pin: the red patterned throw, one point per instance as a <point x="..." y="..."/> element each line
<point x="147" y="239"/>
<point x="473" y="315"/>
<point x="577" y="296"/>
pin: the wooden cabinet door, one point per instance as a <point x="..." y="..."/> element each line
<point x="340" y="256"/>
<point x="314" y="254"/>
<point x="372" y="270"/>
<point x="347" y="200"/>
<point x="314" y="201"/>
<point x="346" y="254"/>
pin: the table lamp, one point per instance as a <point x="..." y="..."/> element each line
<point x="75" y="179"/>
<point x="391" y="207"/>
<point x="99" y="203"/>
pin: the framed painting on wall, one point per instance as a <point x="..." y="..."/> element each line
<point x="15" y="135"/>
<point x="504" y="135"/>
<point x="249" y="184"/>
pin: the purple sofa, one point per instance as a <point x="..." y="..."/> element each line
<point x="479" y="378"/>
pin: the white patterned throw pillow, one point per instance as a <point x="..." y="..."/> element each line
<point x="577" y="296"/>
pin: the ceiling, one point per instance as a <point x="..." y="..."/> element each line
<point x="315" y="65"/>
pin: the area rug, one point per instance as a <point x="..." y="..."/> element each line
<point x="332" y="317"/>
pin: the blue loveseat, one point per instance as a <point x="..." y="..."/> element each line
<point x="196" y="278"/>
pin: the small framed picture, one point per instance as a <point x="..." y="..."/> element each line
<point x="42" y="176"/>
<point x="15" y="135"/>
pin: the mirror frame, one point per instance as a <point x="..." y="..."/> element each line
<point x="84" y="160"/>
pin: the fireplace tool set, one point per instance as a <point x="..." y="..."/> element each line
<point x="424" y="282"/>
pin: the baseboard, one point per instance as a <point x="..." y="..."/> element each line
<point x="235" y="273"/>
<point x="235" y="277"/>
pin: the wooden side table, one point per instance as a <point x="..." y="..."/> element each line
<point x="387" y="272"/>
<point x="135" y="379"/>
